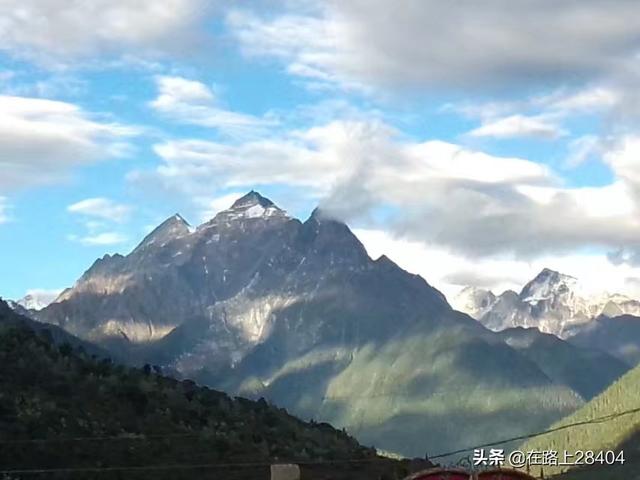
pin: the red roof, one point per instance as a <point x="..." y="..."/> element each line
<point x="440" y="474"/>
<point x="459" y="474"/>
<point x="504" y="474"/>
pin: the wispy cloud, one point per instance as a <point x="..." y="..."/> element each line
<point x="102" y="208"/>
<point x="519" y="126"/>
<point x="187" y="101"/>
<point x="100" y="239"/>
<point x="99" y="216"/>
<point x="4" y="210"/>
<point x="583" y="100"/>
<point x="43" y="140"/>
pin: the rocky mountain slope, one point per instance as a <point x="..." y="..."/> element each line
<point x="258" y="303"/>
<point x="62" y="408"/>
<point x="552" y="302"/>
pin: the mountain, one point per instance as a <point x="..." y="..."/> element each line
<point x="61" y="408"/>
<point x="619" y="336"/>
<point x="37" y="299"/>
<point x="588" y="371"/>
<point x="257" y="303"/>
<point x="474" y="301"/>
<point x="617" y="411"/>
<point x="552" y="302"/>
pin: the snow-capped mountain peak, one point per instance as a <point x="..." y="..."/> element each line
<point x="547" y="284"/>
<point x="552" y="302"/>
<point x="38" y="299"/>
<point x="250" y="206"/>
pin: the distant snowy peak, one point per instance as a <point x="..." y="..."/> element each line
<point x="552" y="302"/>
<point x="548" y="284"/>
<point x="37" y="299"/>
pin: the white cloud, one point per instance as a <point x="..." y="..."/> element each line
<point x="518" y="126"/>
<point x="42" y="140"/>
<point x="624" y="158"/>
<point x="582" y="149"/>
<point x="583" y="100"/>
<point x="321" y="157"/>
<point x="313" y="158"/>
<point x="38" y="298"/>
<point x="462" y="44"/>
<point x="176" y="90"/>
<point x="4" y="210"/>
<point x="23" y="84"/>
<point x="188" y="101"/>
<point x="450" y="273"/>
<point x="102" y="208"/>
<point x="541" y="116"/>
<point x="55" y="31"/>
<point x="100" y="239"/>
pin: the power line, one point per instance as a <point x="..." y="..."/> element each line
<point x="144" y="437"/>
<point x="37" y="471"/>
<point x="247" y="465"/>
<point x="605" y="418"/>
<point x="141" y="437"/>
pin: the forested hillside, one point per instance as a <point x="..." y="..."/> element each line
<point x="611" y="421"/>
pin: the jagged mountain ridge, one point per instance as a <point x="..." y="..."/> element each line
<point x="552" y="302"/>
<point x="259" y="303"/>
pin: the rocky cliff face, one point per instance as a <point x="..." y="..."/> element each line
<point x="258" y="303"/>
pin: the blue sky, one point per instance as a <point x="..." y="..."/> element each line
<point x="473" y="144"/>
